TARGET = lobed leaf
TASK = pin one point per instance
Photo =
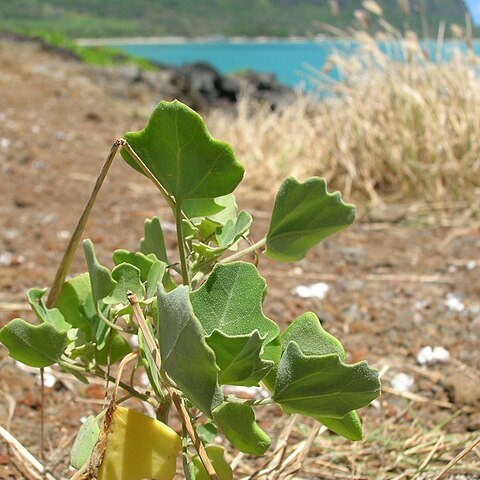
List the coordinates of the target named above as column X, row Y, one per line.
column 238, row 424
column 186, row 357
column 76, row 302
column 182, row 155
column 53, row 316
column 239, row 358
column 230, row 301
column 33, row 345
column 137, row 259
column 226, row 235
column 154, row 241
column 349, row 426
column 127, row 278
column 100, row 276
column 323, row 386
column 304, row 214
column 307, row 332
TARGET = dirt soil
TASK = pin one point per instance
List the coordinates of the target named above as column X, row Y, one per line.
column 394, row 288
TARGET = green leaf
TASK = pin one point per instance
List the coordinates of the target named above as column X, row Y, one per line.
column 76, row 302
column 238, row 424
column 186, row 357
column 231, row 301
column 226, row 236
column 137, row 259
column 232, row 231
column 127, row 279
column 153, row 241
column 86, row 439
column 207, row 225
column 201, row 207
column 220, row 465
column 239, row 358
column 100, row 276
column 304, row 214
column 149, row 365
column 53, row 316
column 113, row 349
column 155, row 275
column 207, row 432
column 323, row 386
column 307, row 332
column 34, row 345
column 180, row 152
column 349, row 426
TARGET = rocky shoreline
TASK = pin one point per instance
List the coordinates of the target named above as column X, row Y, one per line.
column 198, row 84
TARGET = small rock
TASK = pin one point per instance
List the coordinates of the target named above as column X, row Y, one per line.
column 454, row 303
column 463, row 389
column 402, row 382
column 352, row 255
column 353, row 285
column 474, row 422
column 431, row 356
column 315, row 290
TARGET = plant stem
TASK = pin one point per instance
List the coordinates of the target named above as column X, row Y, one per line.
column 168, row 198
column 75, row 239
column 181, row 243
column 150, row 175
column 255, row 402
column 242, row 253
column 175, row 397
column 99, row 373
column 192, row 433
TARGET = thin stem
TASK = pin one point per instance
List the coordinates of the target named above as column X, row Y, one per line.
column 149, row 174
column 42, row 416
column 255, row 402
column 99, row 373
column 168, row 198
column 64, row 266
column 192, row 433
column 242, row 253
column 131, row 356
column 177, row 400
column 181, row 243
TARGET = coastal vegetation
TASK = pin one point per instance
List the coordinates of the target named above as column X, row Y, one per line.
column 123, row 18
column 388, row 132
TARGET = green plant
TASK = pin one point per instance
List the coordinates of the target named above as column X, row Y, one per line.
column 207, row 329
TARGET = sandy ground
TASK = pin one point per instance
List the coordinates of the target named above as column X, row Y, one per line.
column 394, row 288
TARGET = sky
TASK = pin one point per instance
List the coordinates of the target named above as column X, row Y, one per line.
column 475, row 9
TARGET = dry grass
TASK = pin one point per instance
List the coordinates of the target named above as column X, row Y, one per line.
column 390, row 131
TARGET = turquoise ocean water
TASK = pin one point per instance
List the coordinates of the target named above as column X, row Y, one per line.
column 292, row 62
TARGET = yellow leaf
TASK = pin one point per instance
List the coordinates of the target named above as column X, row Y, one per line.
column 139, row 447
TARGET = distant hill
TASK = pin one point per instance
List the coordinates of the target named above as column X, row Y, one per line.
column 102, row 18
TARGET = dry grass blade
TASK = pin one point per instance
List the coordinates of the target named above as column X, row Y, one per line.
column 30, row 463
column 294, row 462
column 278, row 454
column 388, row 131
column 457, row 459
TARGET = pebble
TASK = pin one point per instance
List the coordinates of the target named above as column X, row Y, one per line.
column 463, row 389
column 431, row 356
column 454, row 303
column 315, row 290
column 402, row 382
